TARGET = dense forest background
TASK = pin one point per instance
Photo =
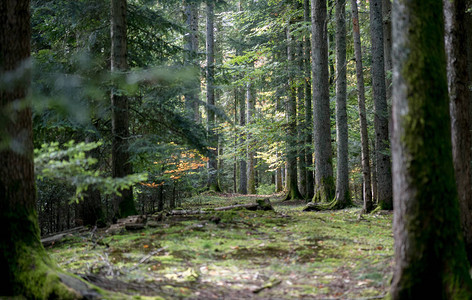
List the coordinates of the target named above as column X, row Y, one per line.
column 139, row 105
column 262, row 69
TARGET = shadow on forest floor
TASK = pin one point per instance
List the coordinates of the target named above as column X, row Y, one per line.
column 239, row 254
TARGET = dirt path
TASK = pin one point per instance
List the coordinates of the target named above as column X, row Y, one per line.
column 241, row 254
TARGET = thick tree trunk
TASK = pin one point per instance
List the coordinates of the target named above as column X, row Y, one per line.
column 365, row 156
column 343, row 196
column 292, row 136
column 124, row 204
column 27, row 270
column 191, row 59
column 324, row 182
column 430, row 253
column 384, row 174
column 455, row 39
column 308, row 107
column 210, row 75
column 251, row 180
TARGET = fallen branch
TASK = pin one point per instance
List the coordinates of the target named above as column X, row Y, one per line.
column 57, row 237
column 261, row 204
column 269, row 285
column 144, row 259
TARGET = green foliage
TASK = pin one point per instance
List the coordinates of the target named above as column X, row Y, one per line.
column 71, row 165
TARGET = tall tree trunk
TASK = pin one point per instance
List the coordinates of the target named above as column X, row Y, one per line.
column 455, row 39
column 291, row 142
column 324, row 182
column 27, row 270
column 308, row 107
column 242, row 161
column 387, row 40
column 210, row 74
column 251, row 180
column 191, row 59
column 343, row 197
column 429, row 250
column 384, row 174
column 121, row 167
column 365, row 156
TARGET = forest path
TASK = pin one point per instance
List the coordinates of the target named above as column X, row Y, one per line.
column 240, row 254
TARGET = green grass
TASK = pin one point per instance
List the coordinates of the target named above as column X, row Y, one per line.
column 313, row 254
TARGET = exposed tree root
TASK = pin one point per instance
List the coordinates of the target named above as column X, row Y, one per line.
column 333, row 205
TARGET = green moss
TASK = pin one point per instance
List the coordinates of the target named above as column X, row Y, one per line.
column 438, row 263
column 325, row 191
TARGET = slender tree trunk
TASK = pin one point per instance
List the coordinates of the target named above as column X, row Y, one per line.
column 210, row 75
column 365, row 156
column 160, row 198
column 384, row 174
column 121, row 167
column 430, row 253
column 242, row 161
column 191, row 58
column 324, row 182
column 387, row 40
column 291, row 142
column 308, row 107
column 375, row 198
column 251, row 180
column 455, row 39
column 343, row 196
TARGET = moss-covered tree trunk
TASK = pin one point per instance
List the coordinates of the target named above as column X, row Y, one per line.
column 455, row 39
column 291, row 137
column 121, row 167
column 27, row 271
column 365, row 156
column 430, row 257
column 383, row 165
column 324, row 182
column 308, row 107
column 343, row 198
column 210, row 76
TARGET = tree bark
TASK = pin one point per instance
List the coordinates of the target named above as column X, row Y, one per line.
column 291, row 138
column 429, row 250
column 365, row 156
column 121, row 167
column 343, row 196
column 308, row 107
column 455, row 39
column 384, row 174
column 27, row 270
column 242, row 161
column 387, row 35
column 324, row 182
column 191, row 59
column 210, row 75
column 251, row 180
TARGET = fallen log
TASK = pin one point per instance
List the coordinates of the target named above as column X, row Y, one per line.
column 57, row 237
column 261, row 204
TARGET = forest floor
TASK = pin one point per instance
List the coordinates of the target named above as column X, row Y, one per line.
column 239, row 254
